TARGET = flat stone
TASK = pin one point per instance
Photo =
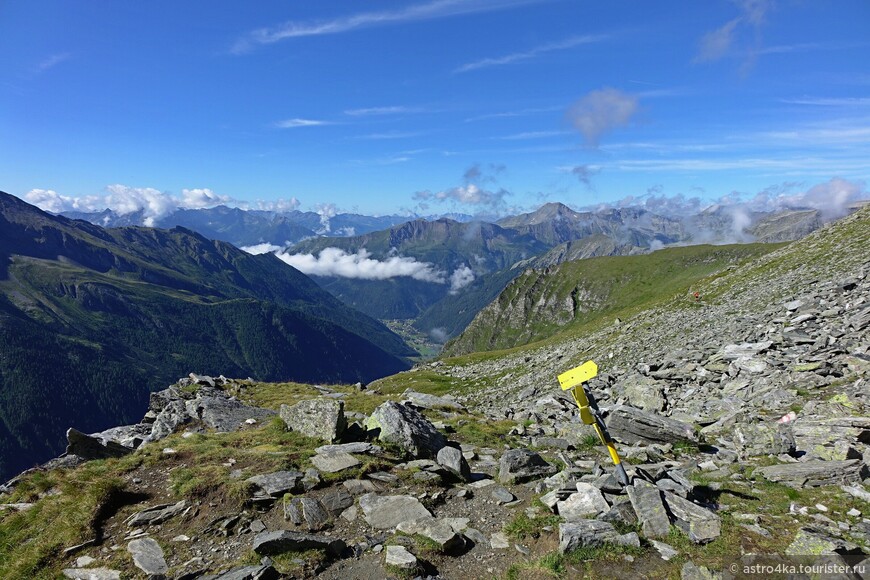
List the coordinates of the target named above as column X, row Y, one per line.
column 92, row 574
column 336, row 501
column 280, row 541
column 88, row 447
column 388, row 511
column 334, row 462
column 630, row 425
column 319, row 418
column 148, row 556
column 573, row 535
column 307, row 510
column 646, row 499
column 501, row 495
column 359, row 486
column 278, row 483
column 400, row 557
column 499, row 541
column 519, row 465
column 436, row 530
column 816, row 473
column 427, row 401
column 588, row 501
column 691, row 571
column 357, row 447
column 157, row 514
column 254, row 572
column 666, row 551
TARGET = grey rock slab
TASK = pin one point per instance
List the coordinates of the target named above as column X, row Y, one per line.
column 499, row 541
column 89, row 447
column 501, row 495
column 280, row 541
column 744, row 350
column 173, row 414
column 587, row 501
column 816, row 473
column 92, row 574
column 223, row 413
column 388, row 511
column 451, row 459
column 405, row 427
column 307, row 510
column 646, row 499
column 336, row 501
column 359, row 486
column 357, row 447
column 157, row 514
column 436, row 530
column 278, row 483
column 631, row 425
column 691, row 571
column 519, row 465
column 856, row 491
column 261, row 572
column 334, row 462
column 319, row 418
column 148, row 556
column 573, row 535
column 816, row 542
column 666, row 551
column 700, row 524
column 427, row 401
column 400, row 557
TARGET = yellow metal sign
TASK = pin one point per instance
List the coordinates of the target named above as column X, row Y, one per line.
column 573, row 380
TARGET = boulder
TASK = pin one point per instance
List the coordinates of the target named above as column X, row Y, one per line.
column 632, row 425
column 700, row 524
column 217, row 410
column 321, row 418
column 644, row 392
column 755, row 438
column 451, row 459
column 519, row 465
column 89, row 447
column 148, row 557
column 406, row 428
column 388, row 511
column 280, row 541
column 356, row 447
column 816, row 473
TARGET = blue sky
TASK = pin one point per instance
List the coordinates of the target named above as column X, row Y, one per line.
column 478, row 106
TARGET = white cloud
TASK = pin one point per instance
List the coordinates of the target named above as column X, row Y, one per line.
column 373, row 111
column 718, row 43
column 460, row 278
column 469, row 194
column 531, row 135
column 279, row 205
column 531, row 53
column 360, row 265
column 600, row 112
column 417, row 12
column 263, row 248
column 52, row 61
column 296, row 123
column 326, row 211
column 830, row 101
column 200, row 198
column 123, row 200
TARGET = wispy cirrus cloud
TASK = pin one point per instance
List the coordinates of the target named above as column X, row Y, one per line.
column 532, row 135
column 297, row 122
column 381, row 111
column 531, row 53
column 428, row 11
column 720, row 42
column 52, row 61
column 510, row 114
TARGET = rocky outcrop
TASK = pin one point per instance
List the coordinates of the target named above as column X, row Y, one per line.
column 406, row 428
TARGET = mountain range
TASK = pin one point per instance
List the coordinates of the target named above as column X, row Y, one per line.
column 91, row 319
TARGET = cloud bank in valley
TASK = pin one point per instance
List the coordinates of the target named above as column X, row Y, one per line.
column 360, row 265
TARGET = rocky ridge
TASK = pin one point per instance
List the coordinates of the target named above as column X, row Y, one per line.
column 741, row 417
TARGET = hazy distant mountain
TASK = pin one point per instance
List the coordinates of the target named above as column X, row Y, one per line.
column 92, row 318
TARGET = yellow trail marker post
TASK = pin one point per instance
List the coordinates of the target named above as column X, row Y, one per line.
column 573, row 381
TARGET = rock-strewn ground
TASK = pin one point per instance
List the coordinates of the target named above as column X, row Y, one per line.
column 742, row 419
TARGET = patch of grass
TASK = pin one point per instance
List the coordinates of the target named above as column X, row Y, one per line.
column 522, row 526
column 589, row 442
column 32, row 541
column 482, row 433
